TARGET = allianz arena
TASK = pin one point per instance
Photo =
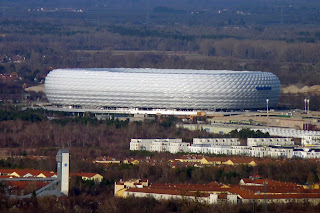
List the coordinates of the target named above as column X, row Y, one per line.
column 162, row 88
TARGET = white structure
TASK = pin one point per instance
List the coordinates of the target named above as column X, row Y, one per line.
column 275, row 152
column 240, row 150
column 170, row 194
column 162, row 88
column 257, row 147
column 213, row 145
column 259, row 151
column 172, row 145
column 175, row 147
column 220, row 150
column 199, row 148
column 270, row 142
column 285, row 152
column 310, row 140
column 217, row 141
column 289, row 132
column 63, row 170
column 210, row 149
column 307, row 153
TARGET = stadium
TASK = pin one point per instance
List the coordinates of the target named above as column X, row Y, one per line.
column 148, row 88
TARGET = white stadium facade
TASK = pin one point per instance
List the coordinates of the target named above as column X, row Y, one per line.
column 162, row 88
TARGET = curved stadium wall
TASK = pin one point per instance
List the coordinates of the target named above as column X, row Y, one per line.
column 162, row 88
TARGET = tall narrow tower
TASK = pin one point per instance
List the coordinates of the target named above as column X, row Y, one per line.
column 63, row 170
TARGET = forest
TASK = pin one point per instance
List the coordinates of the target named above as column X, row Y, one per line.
column 112, row 37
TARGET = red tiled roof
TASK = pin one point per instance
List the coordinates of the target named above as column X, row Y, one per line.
column 242, row 160
column 268, row 181
column 83, row 174
column 167, row 191
column 191, row 187
column 190, row 157
column 22, row 172
column 276, row 190
column 22, row 184
column 7, row 176
column 106, row 159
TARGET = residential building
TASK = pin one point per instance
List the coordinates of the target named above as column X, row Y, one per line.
column 121, row 186
column 220, row 150
column 26, row 173
column 106, row 160
column 306, row 152
column 249, row 190
column 172, row 145
column 89, row 176
column 240, row 150
column 270, row 142
column 217, row 141
column 310, row 140
column 257, row 147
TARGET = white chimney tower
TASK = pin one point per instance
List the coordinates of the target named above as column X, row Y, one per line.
column 63, row 170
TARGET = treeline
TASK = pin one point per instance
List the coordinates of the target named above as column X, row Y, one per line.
column 173, row 12
column 103, row 137
column 247, row 133
column 28, row 115
column 290, row 53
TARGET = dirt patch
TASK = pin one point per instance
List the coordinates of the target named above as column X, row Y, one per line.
column 294, row 89
column 39, row 88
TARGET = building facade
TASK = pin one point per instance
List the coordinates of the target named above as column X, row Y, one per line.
column 172, row 145
column 270, row 142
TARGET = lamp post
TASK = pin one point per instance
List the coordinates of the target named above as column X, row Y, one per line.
column 267, row 100
column 308, row 102
column 305, row 105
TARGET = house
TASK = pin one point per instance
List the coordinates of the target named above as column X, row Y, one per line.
column 213, row 161
column 131, row 161
column 240, row 161
column 107, row 160
column 27, row 173
column 121, row 186
column 190, row 158
column 172, row 145
column 89, row 176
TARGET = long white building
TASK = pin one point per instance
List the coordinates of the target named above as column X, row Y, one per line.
column 162, row 88
column 257, row 147
column 270, row 142
column 307, row 137
column 172, row 145
column 217, row 141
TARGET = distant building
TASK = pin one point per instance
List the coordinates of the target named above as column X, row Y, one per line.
column 89, row 176
column 172, row 145
column 270, row 142
column 249, row 190
column 310, row 140
column 107, row 160
column 217, row 141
